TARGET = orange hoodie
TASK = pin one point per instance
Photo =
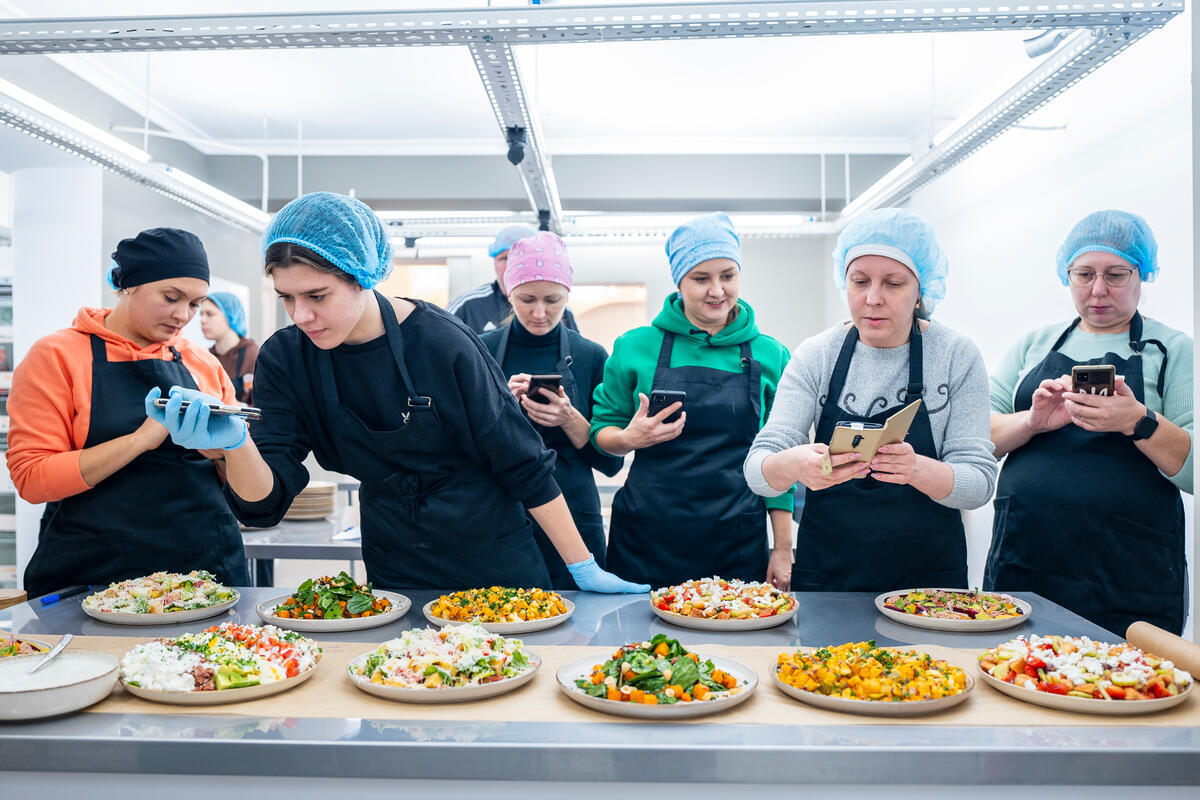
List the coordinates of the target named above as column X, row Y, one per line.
column 49, row 406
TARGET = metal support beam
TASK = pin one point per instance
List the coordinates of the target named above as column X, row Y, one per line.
column 560, row 24
column 48, row 123
column 518, row 124
column 1075, row 59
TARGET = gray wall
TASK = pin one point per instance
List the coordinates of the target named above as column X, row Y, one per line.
column 232, row 253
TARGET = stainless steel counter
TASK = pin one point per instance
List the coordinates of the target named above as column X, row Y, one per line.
column 711, row 753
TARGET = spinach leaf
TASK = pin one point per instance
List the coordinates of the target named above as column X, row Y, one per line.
column 685, row 673
column 592, row 689
column 651, row 683
column 358, row 603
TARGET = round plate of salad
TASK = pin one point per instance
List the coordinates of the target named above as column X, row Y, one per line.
column 657, row 679
column 226, row 663
column 953, row 609
column 713, row 604
column 334, row 604
column 161, row 599
column 1074, row 673
column 501, row 610
column 22, row 646
column 863, row 678
column 455, row 664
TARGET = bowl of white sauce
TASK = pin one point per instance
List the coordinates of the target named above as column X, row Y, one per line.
column 74, row 680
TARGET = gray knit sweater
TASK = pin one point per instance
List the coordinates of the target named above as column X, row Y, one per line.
column 956, row 397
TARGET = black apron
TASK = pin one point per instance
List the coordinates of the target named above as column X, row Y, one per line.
column 162, row 511
column 573, row 475
column 685, row 510
column 430, row 518
column 1085, row 519
column 868, row 536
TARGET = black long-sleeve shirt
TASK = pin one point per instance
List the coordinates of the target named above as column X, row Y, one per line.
column 538, row 355
column 445, row 362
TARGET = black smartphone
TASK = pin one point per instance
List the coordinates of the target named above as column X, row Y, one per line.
column 661, row 398
column 1098, row 379
column 551, row 382
column 247, row 412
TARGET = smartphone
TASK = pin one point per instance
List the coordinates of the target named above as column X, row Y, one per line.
column 551, row 382
column 865, row 438
column 1098, row 379
column 661, row 398
column 248, row 412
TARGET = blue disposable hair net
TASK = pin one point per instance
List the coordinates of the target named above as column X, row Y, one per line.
column 231, row 307
column 508, row 237
column 110, row 277
column 702, row 239
column 1117, row 232
column 340, row 229
column 902, row 236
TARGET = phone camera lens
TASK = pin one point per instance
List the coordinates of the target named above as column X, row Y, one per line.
column 1083, row 376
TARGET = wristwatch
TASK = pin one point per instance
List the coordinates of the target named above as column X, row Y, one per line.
column 1146, row 426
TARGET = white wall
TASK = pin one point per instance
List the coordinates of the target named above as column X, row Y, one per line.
column 1002, row 214
column 57, row 211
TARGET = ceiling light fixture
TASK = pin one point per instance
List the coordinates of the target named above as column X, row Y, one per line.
column 25, row 112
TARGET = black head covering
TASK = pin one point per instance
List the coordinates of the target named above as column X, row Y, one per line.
column 158, row 254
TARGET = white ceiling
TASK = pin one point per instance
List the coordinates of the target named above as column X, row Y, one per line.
column 862, row 94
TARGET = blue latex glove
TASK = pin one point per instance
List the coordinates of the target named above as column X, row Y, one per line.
column 590, row 578
column 155, row 413
column 198, row 428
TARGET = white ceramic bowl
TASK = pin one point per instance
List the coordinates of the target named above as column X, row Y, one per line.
column 400, row 607
column 505, row 628
column 75, row 679
column 455, row 694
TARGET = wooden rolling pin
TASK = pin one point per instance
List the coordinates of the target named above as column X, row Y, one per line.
column 1164, row 644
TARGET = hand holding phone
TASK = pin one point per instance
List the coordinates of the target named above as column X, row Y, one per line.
column 646, row 429
column 661, row 398
column 217, row 409
column 548, row 382
column 1098, row 379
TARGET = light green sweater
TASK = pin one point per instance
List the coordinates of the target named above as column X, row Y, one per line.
column 1175, row 404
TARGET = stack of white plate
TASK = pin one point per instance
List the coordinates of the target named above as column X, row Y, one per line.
column 315, row 501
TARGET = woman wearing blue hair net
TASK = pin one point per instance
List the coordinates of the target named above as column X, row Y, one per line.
column 895, row 521
column 223, row 321
column 401, row 395
column 1088, row 512
column 685, row 512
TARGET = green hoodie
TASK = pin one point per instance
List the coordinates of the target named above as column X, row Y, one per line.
column 630, row 368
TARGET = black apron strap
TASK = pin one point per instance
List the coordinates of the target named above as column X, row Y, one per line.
column 1062, row 338
column 664, row 358
column 502, row 350
column 237, row 369
column 753, row 371
column 837, row 381
column 916, row 368
column 564, row 346
column 99, row 350
column 1137, row 344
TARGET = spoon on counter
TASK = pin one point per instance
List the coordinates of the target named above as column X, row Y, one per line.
column 58, row 648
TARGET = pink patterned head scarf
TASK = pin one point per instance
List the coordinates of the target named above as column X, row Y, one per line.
column 542, row 257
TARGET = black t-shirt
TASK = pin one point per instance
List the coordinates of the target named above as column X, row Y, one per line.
column 445, row 362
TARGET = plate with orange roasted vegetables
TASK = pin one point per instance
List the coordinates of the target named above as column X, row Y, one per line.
column 657, row 679
column 501, row 609
column 334, row 604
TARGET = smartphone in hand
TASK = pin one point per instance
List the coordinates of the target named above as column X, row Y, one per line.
column 661, row 398
column 551, row 382
column 1098, row 379
column 220, row 409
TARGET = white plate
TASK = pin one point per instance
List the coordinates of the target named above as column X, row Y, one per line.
column 702, row 624
column 582, row 668
column 166, row 618
column 505, row 628
column 52, row 701
column 1084, row 705
column 400, row 607
column 872, row 708
column 454, row 694
column 936, row 624
column 221, row 696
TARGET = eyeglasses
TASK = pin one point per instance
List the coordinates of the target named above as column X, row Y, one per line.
column 1116, row 278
